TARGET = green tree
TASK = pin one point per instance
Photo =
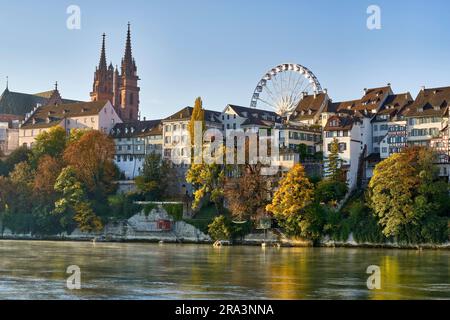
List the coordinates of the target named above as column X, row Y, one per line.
column 153, row 182
column 74, row 203
column 333, row 163
column 21, row 154
column 51, row 142
column 330, row 192
column 220, row 228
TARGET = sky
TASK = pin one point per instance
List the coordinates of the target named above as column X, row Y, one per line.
column 219, row 49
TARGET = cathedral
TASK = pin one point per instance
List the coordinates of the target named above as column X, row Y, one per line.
column 121, row 89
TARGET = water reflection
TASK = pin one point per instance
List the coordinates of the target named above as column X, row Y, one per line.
column 37, row 270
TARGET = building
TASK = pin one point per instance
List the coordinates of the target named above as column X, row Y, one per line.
column 176, row 143
column 425, row 116
column 97, row 115
column 9, row 133
column 19, row 104
column 122, row 89
column 235, row 117
column 134, row 141
column 310, row 109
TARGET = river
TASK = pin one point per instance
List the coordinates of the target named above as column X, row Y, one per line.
column 37, row 270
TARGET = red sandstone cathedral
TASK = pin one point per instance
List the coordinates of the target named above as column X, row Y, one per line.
column 121, row 89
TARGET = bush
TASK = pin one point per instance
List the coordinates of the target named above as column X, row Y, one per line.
column 122, row 206
column 175, row 210
column 220, row 228
column 328, row 191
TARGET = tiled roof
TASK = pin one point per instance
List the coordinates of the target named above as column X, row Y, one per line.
column 309, row 106
column 256, row 117
column 51, row 115
column 373, row 98
column 395, row 105
column 21, row 103
column 186, row 113
column 430, row 102
column 344, row 122
column 137, row 129
column 10, row 117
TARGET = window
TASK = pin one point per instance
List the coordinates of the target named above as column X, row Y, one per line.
column 384, row 150
column 168, row 128
column 92, row 119
column 375, row 127
column 128, row 147
column 342, row 147
column 131, row 98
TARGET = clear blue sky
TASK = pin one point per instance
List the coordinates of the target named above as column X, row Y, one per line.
column 218, row 49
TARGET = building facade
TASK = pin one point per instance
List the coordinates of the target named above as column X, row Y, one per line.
column 97, row 115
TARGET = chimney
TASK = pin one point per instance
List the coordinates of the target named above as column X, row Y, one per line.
column 389, row 84
column 325, row 91
column 145, row 118
column 422, row 88
column 365, row 90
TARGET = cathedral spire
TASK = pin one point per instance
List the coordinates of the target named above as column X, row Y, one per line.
column 128, row 65
column 102, row 64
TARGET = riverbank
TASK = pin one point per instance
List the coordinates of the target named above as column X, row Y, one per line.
column 158, row 226
column 250, row 240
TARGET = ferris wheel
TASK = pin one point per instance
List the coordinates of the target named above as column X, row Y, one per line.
column 283, row 87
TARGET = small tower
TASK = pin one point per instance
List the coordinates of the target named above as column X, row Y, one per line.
column 129, row 89
column 102, row 88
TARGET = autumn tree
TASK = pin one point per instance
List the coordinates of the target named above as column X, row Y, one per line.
column 91, row 156
column 408, row 198
column 290, row 201
column 247, row 195
column 74, row 206
column 47, row 172
column 198, row 114
column 208, row 181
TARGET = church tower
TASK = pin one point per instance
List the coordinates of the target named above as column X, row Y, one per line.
column 128, row 87
column 103, row 78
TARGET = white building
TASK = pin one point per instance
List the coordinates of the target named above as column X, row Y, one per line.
column 134, row 141
column 98, row 115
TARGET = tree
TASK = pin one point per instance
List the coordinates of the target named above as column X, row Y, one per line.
column 21, row 154
column 247, row 195
column 91, row 156
column 294, row 195
column 153, row 182
column 51, row 142
column 333, row 162
column 330, row 192
column 198, row 114
column 220, row 228
column 74, row 203
column 47, row 172
column 405, row 194
column 208, row 180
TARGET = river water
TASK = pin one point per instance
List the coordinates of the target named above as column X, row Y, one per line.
column 37, row 270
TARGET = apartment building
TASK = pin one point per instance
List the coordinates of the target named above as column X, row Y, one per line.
column 97, row 115
column 134, row 141
column 176, row 139
column 426, row 115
